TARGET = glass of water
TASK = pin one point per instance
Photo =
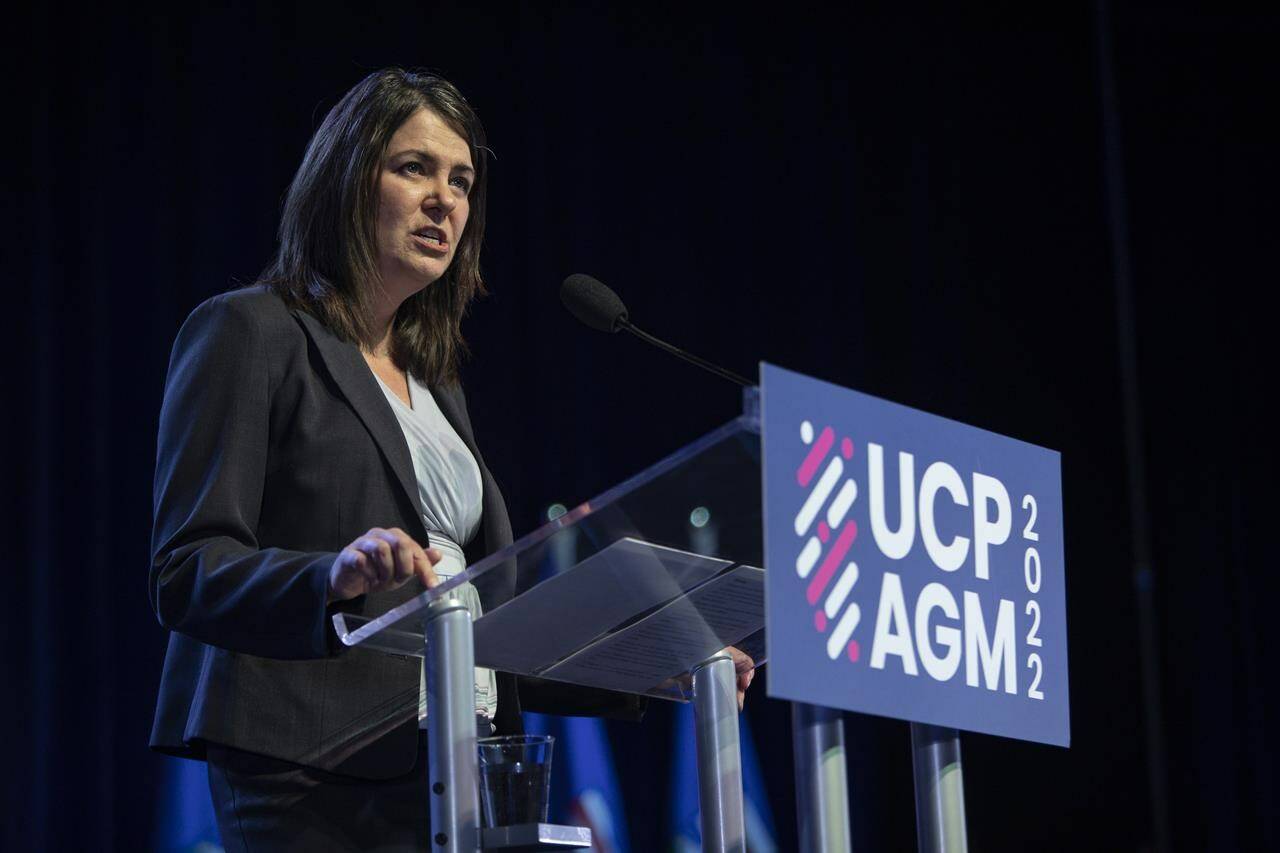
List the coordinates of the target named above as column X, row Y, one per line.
column 515, row 779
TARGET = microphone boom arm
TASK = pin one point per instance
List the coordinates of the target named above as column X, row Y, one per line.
column 679, row 353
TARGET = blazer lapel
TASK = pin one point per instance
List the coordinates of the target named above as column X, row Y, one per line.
column 356, row 381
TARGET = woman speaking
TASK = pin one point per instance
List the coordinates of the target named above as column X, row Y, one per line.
column 315, row 454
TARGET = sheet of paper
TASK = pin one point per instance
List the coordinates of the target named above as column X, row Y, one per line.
column 566, row 612
column 672, row 640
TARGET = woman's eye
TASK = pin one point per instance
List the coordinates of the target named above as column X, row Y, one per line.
column 462, row 184
column 412, row 168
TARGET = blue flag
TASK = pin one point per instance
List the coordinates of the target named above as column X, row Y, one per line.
column 584, row 785
column 684, row 816
column 186, row 823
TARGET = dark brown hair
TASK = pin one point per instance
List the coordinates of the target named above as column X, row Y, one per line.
column 327, row 262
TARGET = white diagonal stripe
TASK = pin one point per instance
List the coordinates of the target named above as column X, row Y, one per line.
column 819, row 495
column 844, row 499
column 843, row 630
column 840, row 591
column 808, row 557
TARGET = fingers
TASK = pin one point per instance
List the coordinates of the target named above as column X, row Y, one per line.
column 423, row 567
column 378, row 556
column 379, row 560
column 745, row 668
column 744, row 681
column 397, row 551
column 352, row 575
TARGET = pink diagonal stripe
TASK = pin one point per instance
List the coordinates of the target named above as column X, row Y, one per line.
column 816, row 454
column 828, row 568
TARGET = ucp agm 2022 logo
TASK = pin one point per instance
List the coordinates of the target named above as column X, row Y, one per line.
column 837, row 600
column 915, row 564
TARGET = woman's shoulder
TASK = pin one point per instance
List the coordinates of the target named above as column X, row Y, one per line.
column 256, row 303
column 240, row 323
column 255, row 312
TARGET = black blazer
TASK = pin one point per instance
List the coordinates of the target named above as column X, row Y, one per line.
column 276, row 449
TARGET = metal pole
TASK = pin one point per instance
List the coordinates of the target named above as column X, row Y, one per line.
column 715, row 720
column 935, row 754
column 451, row 728
column 822, row 788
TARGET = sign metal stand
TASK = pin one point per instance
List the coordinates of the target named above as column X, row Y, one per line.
column 939, row 780
column 822, row 792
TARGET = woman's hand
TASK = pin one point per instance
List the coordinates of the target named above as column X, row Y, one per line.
column 378, row 561
column 745, row 668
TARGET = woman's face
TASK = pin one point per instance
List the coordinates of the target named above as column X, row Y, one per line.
column 422, row 202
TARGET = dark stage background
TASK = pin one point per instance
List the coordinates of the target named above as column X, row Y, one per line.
column 934, row 181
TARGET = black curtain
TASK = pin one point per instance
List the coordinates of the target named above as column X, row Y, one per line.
column 932, row 179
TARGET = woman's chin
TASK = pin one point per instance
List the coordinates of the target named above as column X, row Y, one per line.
column 428, row 270
column 413, row 278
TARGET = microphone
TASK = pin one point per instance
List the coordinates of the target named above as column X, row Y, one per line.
column 597, row 306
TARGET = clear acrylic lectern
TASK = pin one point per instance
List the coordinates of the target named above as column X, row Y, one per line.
column 618, row 593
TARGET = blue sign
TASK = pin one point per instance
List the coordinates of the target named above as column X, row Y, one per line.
column 915, row 564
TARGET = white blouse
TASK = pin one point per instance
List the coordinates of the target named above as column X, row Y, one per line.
column 450, row 491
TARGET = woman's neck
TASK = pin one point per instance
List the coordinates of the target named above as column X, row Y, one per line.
column 385, row 307
column 382, row 349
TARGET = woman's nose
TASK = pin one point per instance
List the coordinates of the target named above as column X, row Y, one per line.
column 439, row 197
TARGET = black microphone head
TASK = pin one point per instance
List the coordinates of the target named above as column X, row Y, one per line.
column 593, row 303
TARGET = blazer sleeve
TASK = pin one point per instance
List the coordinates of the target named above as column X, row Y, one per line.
column 209, row 577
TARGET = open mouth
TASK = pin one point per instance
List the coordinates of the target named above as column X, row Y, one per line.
column 432, row 238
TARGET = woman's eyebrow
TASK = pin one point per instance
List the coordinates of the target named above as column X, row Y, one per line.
column 460, row 166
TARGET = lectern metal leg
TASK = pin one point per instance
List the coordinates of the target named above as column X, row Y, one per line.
column 822, row 788
column 939, row 790
column 715, row 715
column 451, row 728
